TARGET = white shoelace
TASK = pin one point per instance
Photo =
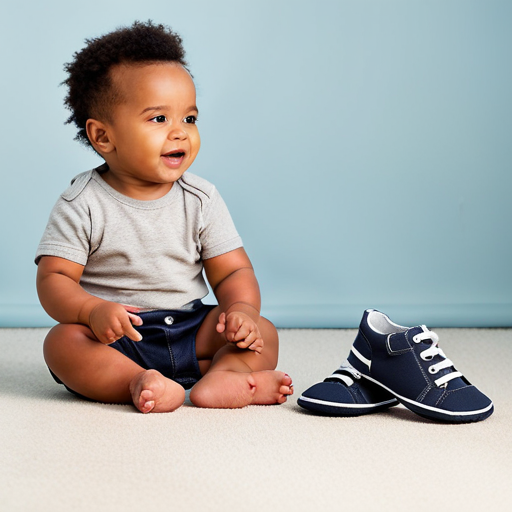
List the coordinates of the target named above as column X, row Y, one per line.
column 345, row 378
column 433, row 351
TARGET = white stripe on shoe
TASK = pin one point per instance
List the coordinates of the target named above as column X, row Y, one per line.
column 348, row 406
column 361, row 358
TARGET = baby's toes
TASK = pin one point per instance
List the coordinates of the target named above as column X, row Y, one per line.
column 286, row 390
column 146, row 401
column 286, row 385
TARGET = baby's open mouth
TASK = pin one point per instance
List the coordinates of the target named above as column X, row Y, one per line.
column 174, row 159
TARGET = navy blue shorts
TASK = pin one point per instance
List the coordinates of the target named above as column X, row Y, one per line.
column 168, row 343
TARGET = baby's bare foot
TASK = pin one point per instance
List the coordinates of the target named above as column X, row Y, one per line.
column 152, row 392
column 231, row 390
column 271, row 387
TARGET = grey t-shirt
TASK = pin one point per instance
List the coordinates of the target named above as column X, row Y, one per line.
column 146, row 254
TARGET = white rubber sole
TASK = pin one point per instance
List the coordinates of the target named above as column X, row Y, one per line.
column 346, row 406
column 434, row 412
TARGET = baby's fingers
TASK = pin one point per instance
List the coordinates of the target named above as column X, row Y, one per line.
column 135, row 319
column 237, row 330
column 221, row 323
column 128, row 329
column 257, row 346
column 112, row 334
column 252, row 342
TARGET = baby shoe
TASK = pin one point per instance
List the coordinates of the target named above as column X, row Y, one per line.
column 344, row 393
column 407, row 362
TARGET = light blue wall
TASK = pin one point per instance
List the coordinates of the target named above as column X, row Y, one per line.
column 363, row 147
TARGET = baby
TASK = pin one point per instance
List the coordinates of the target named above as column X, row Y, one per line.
column 120, row 264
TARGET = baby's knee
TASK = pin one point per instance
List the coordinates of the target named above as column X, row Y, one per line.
column 53, row 340
column 271, row 341
column 268, row 330
column 60, row 338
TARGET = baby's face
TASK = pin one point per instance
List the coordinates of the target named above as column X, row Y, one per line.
column 153, row 129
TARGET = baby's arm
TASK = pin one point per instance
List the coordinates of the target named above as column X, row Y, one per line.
column 66, row 301
column 234, row 284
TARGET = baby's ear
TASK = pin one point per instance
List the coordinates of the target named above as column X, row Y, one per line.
column 99, row 136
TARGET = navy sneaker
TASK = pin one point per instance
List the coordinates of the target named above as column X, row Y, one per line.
column 344, row 393
column 407, row 362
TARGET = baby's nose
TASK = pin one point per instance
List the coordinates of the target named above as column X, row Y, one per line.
column 177, row 132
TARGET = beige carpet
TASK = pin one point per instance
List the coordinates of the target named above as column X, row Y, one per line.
column 58, row 453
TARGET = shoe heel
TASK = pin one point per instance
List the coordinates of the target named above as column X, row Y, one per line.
column 360, row 354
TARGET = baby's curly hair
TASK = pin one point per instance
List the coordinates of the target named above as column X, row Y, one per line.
column 91, row 93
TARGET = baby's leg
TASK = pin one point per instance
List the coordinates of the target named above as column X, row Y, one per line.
column 101, row 373
column 236, row 378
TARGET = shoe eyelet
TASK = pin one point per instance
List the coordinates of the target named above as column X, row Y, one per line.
column 415, row 339
column 169, row 320
column 432, row 370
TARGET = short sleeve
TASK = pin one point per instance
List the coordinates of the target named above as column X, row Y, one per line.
column 67, row 233
column 218, row 235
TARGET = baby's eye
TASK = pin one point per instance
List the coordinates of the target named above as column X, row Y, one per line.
column 190, row 119
column 159, row 119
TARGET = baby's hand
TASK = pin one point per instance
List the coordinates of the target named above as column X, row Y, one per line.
column 110, row 321
column 240, row 329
